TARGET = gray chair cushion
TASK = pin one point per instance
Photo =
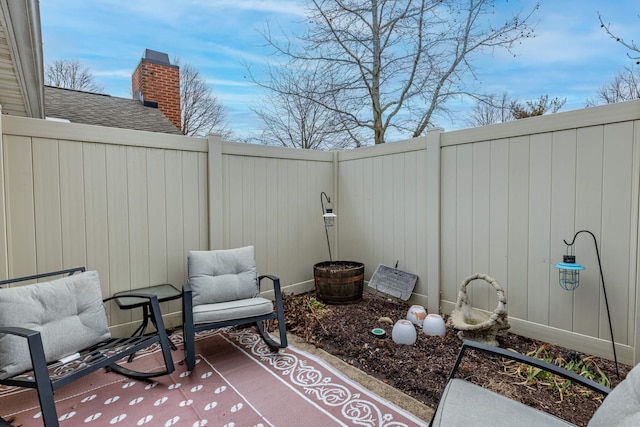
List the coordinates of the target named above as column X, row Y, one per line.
column 466, row 404
column 68, row 313
column 222, row 275
column 240, row 309
column 622, row 405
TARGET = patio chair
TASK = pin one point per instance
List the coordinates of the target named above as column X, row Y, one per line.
column 224, row 290
column 56, row 332
column 466, row 404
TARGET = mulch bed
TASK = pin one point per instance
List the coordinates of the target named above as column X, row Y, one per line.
column 421, row 370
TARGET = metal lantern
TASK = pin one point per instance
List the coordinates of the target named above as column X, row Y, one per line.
column 329, row 218
column 327, row 212
column 569, row 273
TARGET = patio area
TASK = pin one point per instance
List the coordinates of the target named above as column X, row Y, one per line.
column 237, row 381
column 235, row 371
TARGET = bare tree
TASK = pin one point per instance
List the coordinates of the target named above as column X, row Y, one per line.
column 625, row 86
column 490, row 109
column 70, row 74
column 631, row 45
column 494, row 108
column 202, row 113
column 393, row 64
column 295, row 121
column 536, row 107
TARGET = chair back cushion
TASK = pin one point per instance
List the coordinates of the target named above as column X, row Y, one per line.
column 68, row 313
column 622, row 405
column 223, row 275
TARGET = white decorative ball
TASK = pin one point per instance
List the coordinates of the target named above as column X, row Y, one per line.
column 434, row 325
column 404, row 332
column 416, row 315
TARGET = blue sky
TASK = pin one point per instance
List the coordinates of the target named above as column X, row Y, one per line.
column 570, row 57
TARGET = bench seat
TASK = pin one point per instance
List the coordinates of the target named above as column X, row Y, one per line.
column 56, row 332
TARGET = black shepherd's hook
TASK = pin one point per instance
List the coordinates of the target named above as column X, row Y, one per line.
column 326, row 231
column 604, row 291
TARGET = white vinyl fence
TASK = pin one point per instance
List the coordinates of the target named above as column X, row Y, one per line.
column 497, row 200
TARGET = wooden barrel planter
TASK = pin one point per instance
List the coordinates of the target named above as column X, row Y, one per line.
column 339, row 282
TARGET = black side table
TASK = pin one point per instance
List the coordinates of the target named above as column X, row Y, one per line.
column 164, row 292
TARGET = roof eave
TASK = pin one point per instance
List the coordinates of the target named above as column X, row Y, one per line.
column 22, row 23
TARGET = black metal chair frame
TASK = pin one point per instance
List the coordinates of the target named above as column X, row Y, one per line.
column 521, row 358
column 101, row 355
column 190, row 328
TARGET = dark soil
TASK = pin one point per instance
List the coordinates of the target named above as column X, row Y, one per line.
column 421, row 370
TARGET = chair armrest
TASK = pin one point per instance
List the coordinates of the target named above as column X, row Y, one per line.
column 274, row 279
column 270, row 277
column 518, row 357
column 276, row 287
column 16, row 330
column 36, row 349
column 34, row 339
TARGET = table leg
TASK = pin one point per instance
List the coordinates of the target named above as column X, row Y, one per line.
column 146, row 315
column 140, row 331
column 171, row 344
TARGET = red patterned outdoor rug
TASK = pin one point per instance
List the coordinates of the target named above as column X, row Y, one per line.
column 237, row 381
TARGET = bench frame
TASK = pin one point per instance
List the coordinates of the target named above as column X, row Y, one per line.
column 521, row 358
column 46, row 378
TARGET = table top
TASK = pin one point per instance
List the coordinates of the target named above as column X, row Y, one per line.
column 164, row 292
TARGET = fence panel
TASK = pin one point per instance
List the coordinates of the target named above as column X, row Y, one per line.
column 534, row 186
column 382, row 208
column 132, row 204
column 116, row 205
column 270, row 198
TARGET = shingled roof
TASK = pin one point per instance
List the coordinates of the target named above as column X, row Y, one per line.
column 104, row 110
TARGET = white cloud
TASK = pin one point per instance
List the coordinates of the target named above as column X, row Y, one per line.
column 278, row 6
column 113, row 73
column 216, row 12
column 230, row 83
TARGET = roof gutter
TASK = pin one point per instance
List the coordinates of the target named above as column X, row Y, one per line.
column 22, row 20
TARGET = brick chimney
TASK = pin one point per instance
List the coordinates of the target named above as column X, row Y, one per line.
column 156, row 80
